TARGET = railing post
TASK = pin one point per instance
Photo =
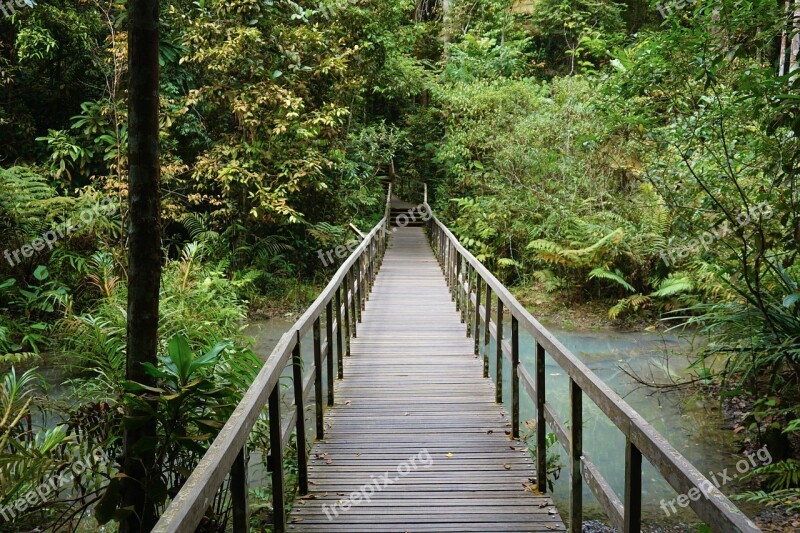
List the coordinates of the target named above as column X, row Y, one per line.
column 300, row 407
column 365, row 277
column 487, row 331
column 633, row 488
column 453, row 273
column 478, row 281
column 339, row 339
column 514, row 377
column 541, row 427
column 320, row 416
column 360, row 276
column 575, row 452
column 446, row 259
column 354, row 307
column 347, row 310
column 498, row 362
column 329, row 348
column 369, row 270
column 468, row 300
column 276, row 454
column 239, row 493
column 459, row 287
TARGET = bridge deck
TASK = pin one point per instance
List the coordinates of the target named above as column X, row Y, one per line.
column 413, row 389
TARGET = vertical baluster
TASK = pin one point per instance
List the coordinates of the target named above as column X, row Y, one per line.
column 442, row 250
column 239, row 493
column 468, row 300
column 300, row 407
column 370, row 265
column 329, row 348
column 449, row 247
column 498, row 359
column 362, row 291
column 514, row 377
column 575, row 452
column 320, row 415
column 276, row 455
column 355, row 307
column 453, row 273
column 541, row 427
column 370, row 272
column 459, row 287
column 487, row 331
column 633, row 488
column 347, row 311
column 339, row 336
column 478, row 281
column 447, row 262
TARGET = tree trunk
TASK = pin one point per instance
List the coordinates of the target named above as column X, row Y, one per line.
column 782, row 59
column 795, row 37
column 144, row 263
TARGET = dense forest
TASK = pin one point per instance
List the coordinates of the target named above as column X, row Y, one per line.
column 633, row 157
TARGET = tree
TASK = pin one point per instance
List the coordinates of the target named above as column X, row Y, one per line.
column 144, row 274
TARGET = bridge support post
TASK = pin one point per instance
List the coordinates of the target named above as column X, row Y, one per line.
column 575, row 452
column 318, row 381
column 487, row 331
column 478, row 281
column 514, row 377
column 300, row 407
column 459, row 286
column 541, row 427
column 353, row 307
column 329, row 349
column 468, row 297
column 360, row 285
column 633, row 488
column 339, row 340
column 346, row 290
column 498, row 353
column 276, row 454
column 239, row 493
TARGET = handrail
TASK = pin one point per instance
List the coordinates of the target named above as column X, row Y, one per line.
column 642, row 440
column 345, row 294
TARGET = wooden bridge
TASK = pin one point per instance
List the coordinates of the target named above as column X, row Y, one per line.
column 416, row 437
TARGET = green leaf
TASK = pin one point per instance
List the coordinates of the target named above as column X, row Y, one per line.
column 41, row 273
column 107, row 506
column 180, row 354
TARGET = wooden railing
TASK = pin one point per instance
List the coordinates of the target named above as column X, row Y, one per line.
column 472, row 286
column 344, row 296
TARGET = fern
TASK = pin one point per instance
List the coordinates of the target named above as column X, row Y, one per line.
column 789, row 499
column 672, row 286
column 779, row 476
column 616, row 276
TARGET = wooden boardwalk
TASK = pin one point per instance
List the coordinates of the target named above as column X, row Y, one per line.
column 415, row 419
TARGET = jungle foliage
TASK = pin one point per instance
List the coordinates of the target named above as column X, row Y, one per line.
column 590, row 149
